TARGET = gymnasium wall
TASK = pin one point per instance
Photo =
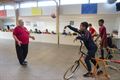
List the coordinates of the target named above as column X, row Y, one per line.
column 102, row 8
column 67, row 13
column 118, row 21
column 46, row 22
column 110, row 21
column 1, row 23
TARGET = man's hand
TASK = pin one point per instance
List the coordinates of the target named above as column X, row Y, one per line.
column 101, row 43
column 75, row 40
column 32, row 37
column 65, row 27
column 19, row 43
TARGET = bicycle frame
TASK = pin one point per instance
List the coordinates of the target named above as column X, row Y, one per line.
column 80, row 61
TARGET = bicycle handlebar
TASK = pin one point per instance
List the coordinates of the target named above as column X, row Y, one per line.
column 81, row 44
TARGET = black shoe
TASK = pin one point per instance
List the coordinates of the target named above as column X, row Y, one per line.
column 88, row 74
column 24, row 63
column 99, row 72
column 110, row 57
column 101, row 57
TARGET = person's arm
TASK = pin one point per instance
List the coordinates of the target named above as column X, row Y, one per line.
column 17, row 40
column 15, row 37
column 32, row 37
column 84, row 37
column 97, row 37
column 94, row 33
column 73, row 29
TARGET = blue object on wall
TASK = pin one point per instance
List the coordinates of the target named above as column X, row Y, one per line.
column 89, row 8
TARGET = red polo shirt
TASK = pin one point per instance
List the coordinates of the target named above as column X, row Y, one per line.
column 22, row 34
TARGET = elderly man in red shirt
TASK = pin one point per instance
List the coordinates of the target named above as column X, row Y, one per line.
column 21, row 36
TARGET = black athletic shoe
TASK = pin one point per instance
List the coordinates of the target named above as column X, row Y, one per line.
column 88, row 75
column 110, row 57
column 101, row 57
column 24, row 63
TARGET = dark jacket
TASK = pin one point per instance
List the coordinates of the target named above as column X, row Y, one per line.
column 86, row 37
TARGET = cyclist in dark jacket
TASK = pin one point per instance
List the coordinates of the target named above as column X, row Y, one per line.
column 86, row 37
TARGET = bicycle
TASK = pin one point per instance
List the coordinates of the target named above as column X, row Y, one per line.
column 71, row 71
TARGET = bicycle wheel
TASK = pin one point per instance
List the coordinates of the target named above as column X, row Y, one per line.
column 71, row 71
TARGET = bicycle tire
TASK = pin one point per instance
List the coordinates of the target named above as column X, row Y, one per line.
column 71, row 71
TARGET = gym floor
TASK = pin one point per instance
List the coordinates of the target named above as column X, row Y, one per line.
column 45, row 62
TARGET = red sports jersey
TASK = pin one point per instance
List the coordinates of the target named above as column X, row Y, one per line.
column 22, row 34
column 92, row 30
column 102, row 32
column 103, row 35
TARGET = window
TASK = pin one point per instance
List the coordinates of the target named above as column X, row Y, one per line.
column 98, row 1
column 28, row 4
column 17, row 6
column 118, row 0
column 67, row 2
column 1, row 7
column 46, row 3
column 9, row 7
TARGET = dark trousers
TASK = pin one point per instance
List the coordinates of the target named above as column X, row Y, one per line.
column 22, row 52
column 90, row 57
column 102, row 53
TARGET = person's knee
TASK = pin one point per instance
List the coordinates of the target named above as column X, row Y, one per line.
column 86, row 60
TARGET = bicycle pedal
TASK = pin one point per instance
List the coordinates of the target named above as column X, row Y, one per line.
column 100, row 72
column 93, row 75
column 77, row 61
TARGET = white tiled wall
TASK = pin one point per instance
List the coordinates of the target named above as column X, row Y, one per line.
column 110, row 21
column 46, row 22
